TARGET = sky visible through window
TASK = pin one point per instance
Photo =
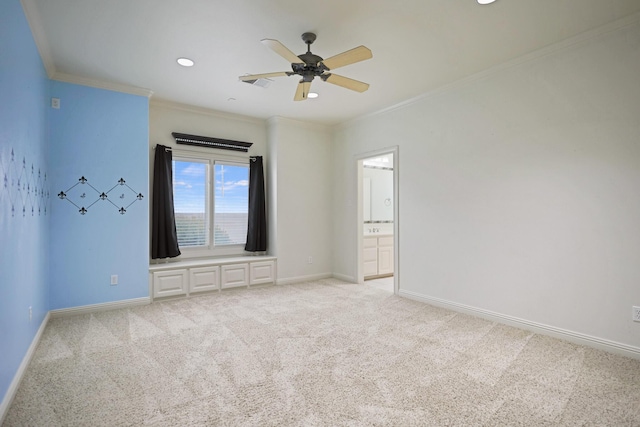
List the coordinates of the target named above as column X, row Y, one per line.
column 189, row 183
column 232, row 188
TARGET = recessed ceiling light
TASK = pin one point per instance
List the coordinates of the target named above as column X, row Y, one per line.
column 312, row 95
column 185, row 62
column 485, row 1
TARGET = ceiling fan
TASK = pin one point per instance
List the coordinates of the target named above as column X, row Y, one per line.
column 310, row 66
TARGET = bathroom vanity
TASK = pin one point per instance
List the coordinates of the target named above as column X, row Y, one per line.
column 377, row 255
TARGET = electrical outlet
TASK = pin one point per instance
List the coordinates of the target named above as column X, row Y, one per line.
column 114, row 279
column 55, row 103
column 30, row 313
column 636, row 314
column 310, row 261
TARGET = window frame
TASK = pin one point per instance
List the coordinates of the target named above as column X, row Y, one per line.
column 211, row 250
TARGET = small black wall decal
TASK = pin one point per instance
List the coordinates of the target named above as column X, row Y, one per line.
column 127, row 197
column 23, row 186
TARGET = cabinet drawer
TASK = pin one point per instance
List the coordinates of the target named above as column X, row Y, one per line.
column 262, row 272
column 170, row 283
column 370, row 242
column 204, row 279
column 385, row 241
column 233, row 275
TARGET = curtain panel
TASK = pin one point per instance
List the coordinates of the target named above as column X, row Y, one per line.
column 257, row 226
column 164, row 238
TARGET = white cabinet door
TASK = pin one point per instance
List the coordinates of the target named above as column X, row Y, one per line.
column 385, row 260
column 262, row 272
column 170, row 283
column 385, row 255
column 233, row 275
column 370, row 256
column 204, row 279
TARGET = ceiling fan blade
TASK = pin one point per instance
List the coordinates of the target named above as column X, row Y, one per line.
column 262, row 76
column 302, row 91
column 281, row 50
column 346, row 82
column 352, row 56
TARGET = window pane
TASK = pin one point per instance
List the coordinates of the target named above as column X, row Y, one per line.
column 190, row 202
column 231, row 204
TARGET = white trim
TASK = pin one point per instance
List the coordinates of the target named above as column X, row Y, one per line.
column 541, row 328
column 100, row 84
column 172, row 105
column 39, row 37
column 309, row 278
column 92, row 308
column 523, row 59
column 17, row 378
column 345, row 278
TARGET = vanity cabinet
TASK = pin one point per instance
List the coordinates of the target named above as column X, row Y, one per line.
column 385, row 255
column 377, row 256
column 370, row 256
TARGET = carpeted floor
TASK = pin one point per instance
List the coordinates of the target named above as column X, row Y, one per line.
column 325, row 353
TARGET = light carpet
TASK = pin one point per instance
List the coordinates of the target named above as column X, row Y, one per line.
column 324, row 353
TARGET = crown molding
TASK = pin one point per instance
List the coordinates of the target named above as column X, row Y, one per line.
column 42, row 44
column 560, row 46
column 173, row 105
column 116, row 87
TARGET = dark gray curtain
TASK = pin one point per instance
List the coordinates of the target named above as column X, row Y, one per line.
column 257, row 227
column 164, row 239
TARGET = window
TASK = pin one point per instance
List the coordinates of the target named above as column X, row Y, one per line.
column 211, row 200
column 231, row 204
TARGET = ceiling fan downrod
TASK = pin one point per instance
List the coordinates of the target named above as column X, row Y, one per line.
column 312, row 64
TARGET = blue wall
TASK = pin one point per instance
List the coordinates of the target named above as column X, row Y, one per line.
column 103, row 136
column 51, row 256
column 24, row 235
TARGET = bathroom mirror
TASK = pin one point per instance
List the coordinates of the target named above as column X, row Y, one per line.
column 378, row 189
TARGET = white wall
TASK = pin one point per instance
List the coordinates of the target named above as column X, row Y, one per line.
column 519, row 189
column 303, row 225
column 297, row 164
column 166, row 117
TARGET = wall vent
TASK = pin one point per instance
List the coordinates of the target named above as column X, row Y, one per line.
column 205, row 141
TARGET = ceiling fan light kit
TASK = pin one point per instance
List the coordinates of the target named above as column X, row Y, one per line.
column 309, row 66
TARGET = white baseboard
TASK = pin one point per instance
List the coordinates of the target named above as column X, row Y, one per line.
column 299, row 279
column 86, row 309
column 345, row 278
column 571, row 336
column 17, row 378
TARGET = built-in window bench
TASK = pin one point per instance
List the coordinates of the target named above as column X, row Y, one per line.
column 183, row 278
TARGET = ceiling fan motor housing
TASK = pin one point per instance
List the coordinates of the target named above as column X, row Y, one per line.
column 311, row 65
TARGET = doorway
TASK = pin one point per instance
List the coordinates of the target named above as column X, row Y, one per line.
column 377, row 219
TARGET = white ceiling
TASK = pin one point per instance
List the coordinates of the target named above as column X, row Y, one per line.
column 418, row 45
